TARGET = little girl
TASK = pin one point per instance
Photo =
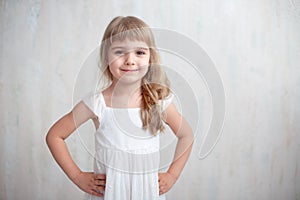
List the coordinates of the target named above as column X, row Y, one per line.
column 129, row 116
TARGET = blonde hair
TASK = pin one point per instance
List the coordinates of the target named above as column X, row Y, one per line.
column 155, row 84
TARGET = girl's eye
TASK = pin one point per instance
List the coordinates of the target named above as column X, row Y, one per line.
column 140, row 52
column 118, row 52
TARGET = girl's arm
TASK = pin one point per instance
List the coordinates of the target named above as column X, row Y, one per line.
column 185, row 136
column 61, row 130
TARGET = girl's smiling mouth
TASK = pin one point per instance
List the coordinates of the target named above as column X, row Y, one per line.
column 129, row 70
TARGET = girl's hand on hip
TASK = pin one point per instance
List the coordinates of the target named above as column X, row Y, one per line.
column 91, row 183
column 165, row 181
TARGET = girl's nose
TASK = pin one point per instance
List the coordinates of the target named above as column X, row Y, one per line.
column 129, row 59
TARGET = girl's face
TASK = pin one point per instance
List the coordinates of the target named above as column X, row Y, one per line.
column 128, row 60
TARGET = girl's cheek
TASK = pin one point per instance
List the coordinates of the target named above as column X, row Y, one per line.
column 144, row 64
column 113, row 58
column 145, row 69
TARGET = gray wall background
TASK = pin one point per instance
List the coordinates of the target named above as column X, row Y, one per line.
column 254, row 44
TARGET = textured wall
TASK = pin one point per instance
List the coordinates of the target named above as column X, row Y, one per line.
column 256, row 48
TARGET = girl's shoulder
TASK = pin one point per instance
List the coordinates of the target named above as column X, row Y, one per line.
column 95, row 102
column 165, row 102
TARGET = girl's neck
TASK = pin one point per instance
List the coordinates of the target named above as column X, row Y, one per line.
column 123, row 95
column 123, row 89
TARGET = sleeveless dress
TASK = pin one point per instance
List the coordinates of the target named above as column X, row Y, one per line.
column 127, row 154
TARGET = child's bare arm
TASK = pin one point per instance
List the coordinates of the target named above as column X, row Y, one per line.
column 185, row 136
column 61, row 130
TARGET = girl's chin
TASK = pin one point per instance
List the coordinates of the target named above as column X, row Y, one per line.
column 129, row 80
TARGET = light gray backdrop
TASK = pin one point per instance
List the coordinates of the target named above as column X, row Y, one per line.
column 254, row 44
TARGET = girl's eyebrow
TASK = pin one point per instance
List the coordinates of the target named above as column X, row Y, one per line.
column 117, row 47
column 143, row 48
column 122, row 47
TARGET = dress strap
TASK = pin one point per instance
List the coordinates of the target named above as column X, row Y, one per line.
column 95, row 102
column 102, row 100
column 164, row 103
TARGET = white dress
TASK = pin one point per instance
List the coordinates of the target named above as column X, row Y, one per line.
column 127, row 154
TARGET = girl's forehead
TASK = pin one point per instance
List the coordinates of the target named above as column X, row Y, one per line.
column 129, row 44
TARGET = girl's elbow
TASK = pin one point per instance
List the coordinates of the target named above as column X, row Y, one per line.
column 49, row 138
column 190, row 137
